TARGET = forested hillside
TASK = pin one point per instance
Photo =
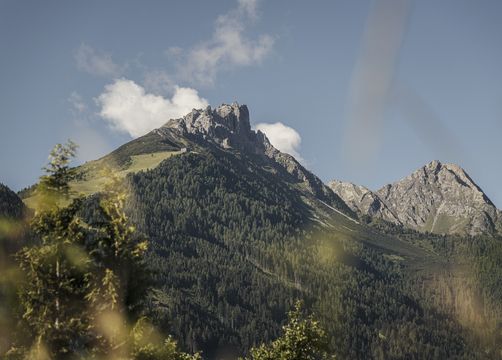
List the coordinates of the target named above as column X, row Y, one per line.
column 232, row 249
column 11, row 206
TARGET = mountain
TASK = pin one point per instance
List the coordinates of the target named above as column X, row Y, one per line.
column 439, row 198
column 238, row 231
column 363, row 201
column 226, row 128
column 11, row 206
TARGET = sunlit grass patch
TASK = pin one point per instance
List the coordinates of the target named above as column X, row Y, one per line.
column 91, row 178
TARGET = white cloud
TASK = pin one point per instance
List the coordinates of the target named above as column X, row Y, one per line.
column 282, row 137
column 100, row 64
column 127, row 107
column 136, row 109
column 228, row 47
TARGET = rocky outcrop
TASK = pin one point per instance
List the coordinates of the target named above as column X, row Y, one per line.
column 363, row 201
column 441, row 198
column 228, row 126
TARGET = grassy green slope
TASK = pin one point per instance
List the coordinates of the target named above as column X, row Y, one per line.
column 141, row 154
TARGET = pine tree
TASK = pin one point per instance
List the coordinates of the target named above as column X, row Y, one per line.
column 54, row 186
column 51, row 296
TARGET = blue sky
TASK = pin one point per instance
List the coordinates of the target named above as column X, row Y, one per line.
column 372, row 89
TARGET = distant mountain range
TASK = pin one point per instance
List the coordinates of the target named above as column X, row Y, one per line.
column 239, row 230
column 438, row 198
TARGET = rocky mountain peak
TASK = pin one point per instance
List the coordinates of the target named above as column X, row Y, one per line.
column 446, row 175
column 442, row 198
column 228, row 126
column 438, row 197
column 225, row 121
column 235, row 116
column 362, row 200
column 436, row 166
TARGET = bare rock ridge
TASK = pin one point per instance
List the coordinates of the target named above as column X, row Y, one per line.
column 439, row 198
column 228, row 126
column 362, row 200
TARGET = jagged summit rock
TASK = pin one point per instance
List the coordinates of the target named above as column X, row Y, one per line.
column 228, row 126
column 441, row 198
column 438, row 197
column 362, row 200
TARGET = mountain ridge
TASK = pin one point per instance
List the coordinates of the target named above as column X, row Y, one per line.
column 438, row 197
column 430, row 199
column 228, row 126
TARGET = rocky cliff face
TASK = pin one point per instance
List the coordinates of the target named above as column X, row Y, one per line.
column 362, row 200
column 228, row 126
column 439, row 198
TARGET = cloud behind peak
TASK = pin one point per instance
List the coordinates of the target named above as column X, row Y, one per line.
column 128, row 108
column 282, row 137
